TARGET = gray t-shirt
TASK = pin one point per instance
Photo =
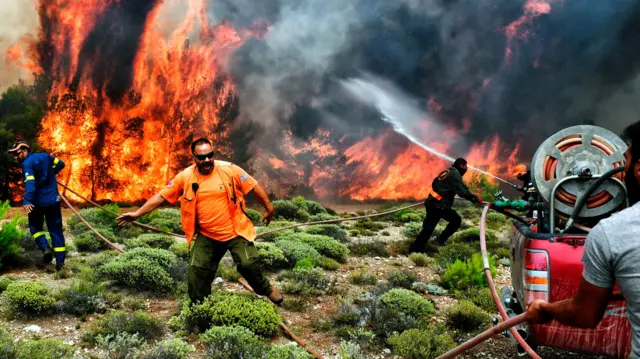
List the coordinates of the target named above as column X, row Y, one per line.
column 612, row 253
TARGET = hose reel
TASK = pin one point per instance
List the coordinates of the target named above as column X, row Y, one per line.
column 567, row 163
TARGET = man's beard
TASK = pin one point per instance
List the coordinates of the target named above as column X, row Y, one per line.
column 205, row 168
column 633, row 187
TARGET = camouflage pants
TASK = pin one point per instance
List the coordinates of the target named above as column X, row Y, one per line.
column 206, row 254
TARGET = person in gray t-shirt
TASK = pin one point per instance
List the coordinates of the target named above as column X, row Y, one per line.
column 611, row 254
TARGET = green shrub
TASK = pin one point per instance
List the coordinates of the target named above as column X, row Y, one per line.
column 421, row 343
column 169, row 349
column 8, row 348
column 358, row 335
column 285, row 209
column 224, row 308
column 496, row 220
column 5, row 280
column 305, row 263
column 295, row 251
column 479, row 296
column 44, row 349
column 288, row 351
column 295, row 304
column 326, row 246
column 11, row 233
column 328, row 264
column 85, row 295
column 115, row 322
column 466, row 316
column 402, row 279
column 406, row 302
column 354, row 233
column 151, row 240
column 232, row 342
column 471, row 235
column 253, row 215
column 102, row 258
column 167, row 219
column 368, row 224
column 412, row 229
column 142, row 268
column 362, row 277
column 484, row 186
column 29, row 298
column 323, row 217
column 463, row 275
column 270, row 257
column 373, row 249
column 452, row 252
column 306, row 281
column 411, row 217
column 350, row 350
column 330, row 230
column 97, row 217
column 228, row 273
column 420, row 259
column 275, row 235
column 121, row 345
column 180, row 250
column 502, row 253
column 348, row 314
column 88, row 241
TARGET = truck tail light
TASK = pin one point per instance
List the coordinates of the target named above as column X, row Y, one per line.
column 536, row 275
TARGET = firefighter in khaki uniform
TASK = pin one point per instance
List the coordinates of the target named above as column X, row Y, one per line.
column 211, row 195
column 445, row 187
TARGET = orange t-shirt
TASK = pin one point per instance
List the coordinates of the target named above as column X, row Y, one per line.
column 212, row 204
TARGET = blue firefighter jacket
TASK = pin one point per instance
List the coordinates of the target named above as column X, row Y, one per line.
column 39, row 170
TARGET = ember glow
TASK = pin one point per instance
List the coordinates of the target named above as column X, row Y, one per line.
column 127, row 99
column 521, row 29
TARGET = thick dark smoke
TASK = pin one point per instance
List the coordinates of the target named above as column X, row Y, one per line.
column 579, row 65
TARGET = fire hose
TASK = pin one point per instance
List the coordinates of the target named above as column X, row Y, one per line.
column 508, row 323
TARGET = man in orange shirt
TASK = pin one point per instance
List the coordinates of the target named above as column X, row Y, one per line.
column 211, row 195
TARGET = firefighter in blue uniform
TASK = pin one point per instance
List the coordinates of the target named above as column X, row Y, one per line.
column 444, row 188
column 42, row 200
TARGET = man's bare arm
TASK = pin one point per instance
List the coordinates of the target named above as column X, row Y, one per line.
column 585, row 310
column 263, row 199
column 152, row 203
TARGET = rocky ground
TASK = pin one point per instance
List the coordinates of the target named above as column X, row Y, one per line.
column 70, row 329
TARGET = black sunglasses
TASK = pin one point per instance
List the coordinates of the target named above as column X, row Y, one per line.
column 204, row 157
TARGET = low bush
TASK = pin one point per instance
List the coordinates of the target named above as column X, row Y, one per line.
column 328, row 264
column 368, row 224
column 167, row 219
column 151, row 240
column 326, row 246
column 373, row 249
column 406, row 302
column 8, row 348
column 142, row 268
column 330, row 230
column 385, row 321
column 98, row 218
column 348, row 314
column 479, row 296
column 421, row 343
column 295, row 251
column 29, row 298
column 169, row 349
column 85, row 295
column 295, row 304
column 412, row 229
column 275, row 235
column 225, row 308
column 121, row 345
column 502, row 253
column 350, row 350
column 102, row 258
column 180, row 250
column 11, row 233
column 402, row 279
column 253, row 215
column 452, row 252
column 286, row 209
column 464, row 275
column 288, row 351
column 232, row 342
column 115, row 322
column 271, row 257
column 306, row 281
column 496, row 220
column 44, row 349
column 466, row 316
column 228, row 273
column 5, row 280
column 362, row 277
column 323, row 217
column 471, row 235
column 420, row 259
column 358, row 335
column 88, row 241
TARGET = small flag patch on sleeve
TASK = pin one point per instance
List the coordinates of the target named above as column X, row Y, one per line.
column 244, row 177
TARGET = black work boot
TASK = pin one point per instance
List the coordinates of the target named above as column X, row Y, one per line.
column 59, row 266
column 47, row 255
